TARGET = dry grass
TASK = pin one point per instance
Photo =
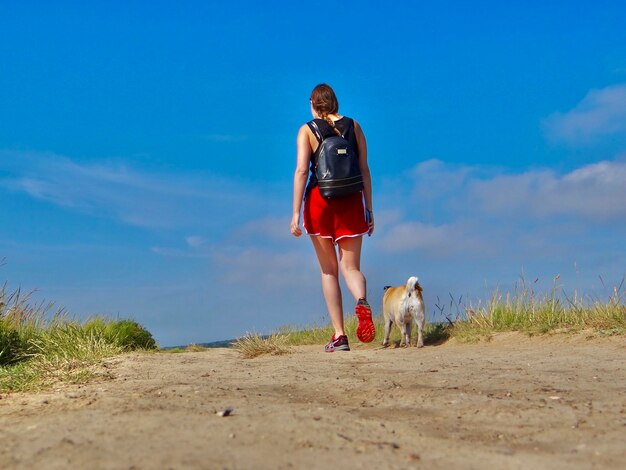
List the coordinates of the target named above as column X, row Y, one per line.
column 253, row 345
column 530, row 313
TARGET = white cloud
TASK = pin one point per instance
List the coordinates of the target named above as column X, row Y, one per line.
column 195, row 241
column 592, row 192
column 439, row 241
column 434, row 178
column 134, row 197
column 170, row 252
column 408, row 236
column 439, row 193
column 600, row 113
column 266, row 270
column 268, row 228
column 491, row 213
column 388, row 216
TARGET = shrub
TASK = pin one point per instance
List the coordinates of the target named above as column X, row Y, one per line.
column 130, row 335
column 127, row 334
column 40, row 345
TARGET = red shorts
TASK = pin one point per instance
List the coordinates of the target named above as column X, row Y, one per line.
column 334, row 218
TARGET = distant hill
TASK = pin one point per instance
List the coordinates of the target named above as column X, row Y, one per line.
column 227, row 343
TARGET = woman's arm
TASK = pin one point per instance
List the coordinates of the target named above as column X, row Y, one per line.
column 365, row 172
column 300, row 177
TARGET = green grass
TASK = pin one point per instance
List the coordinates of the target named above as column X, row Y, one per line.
column 40, row 346
column 555, row 312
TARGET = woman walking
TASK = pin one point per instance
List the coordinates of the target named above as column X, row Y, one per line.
column 336, row 225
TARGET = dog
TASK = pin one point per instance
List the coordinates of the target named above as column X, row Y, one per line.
column 402, row 305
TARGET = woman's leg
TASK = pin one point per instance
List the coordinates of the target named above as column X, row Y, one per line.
column 327, row 258
column 350, row 263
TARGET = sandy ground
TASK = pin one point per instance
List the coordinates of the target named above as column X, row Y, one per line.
column 515, row 402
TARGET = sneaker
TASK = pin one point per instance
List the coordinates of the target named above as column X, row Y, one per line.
column 365, row 331
column 337, row 344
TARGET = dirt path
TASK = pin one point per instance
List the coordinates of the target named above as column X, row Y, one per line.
column 515, row 402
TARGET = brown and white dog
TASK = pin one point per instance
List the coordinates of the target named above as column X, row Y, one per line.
column 402, row 305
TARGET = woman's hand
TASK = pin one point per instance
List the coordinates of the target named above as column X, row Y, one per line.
column 296, row 231
column 369, row 218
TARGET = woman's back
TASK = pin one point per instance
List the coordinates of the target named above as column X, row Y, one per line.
column 345, row 125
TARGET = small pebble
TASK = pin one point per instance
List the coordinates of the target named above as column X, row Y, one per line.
column 225, row 412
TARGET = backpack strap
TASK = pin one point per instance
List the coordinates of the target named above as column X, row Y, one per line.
column 348, row 127
column 316, row 131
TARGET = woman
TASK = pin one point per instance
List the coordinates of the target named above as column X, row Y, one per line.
column 336, row 225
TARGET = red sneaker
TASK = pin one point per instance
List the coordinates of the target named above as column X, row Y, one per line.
column 365, row 331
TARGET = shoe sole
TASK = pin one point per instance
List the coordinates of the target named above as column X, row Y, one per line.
column 365, row 331
column 340, row 348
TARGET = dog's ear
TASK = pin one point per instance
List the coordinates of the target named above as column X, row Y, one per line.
column 386, row 287
column 418, row 288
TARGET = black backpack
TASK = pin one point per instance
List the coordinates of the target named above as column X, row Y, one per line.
column 337, row 165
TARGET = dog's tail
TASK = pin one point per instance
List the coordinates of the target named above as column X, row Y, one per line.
column 413, row 285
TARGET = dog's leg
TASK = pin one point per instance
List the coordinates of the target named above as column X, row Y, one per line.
column 409, row 330
column 420, row 338
column 388, row 322
column 420, row 318
column 405, row 335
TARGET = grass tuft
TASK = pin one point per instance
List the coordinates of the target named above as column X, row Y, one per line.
column 253, row 345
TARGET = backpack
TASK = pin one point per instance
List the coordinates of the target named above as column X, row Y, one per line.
column 337, row 166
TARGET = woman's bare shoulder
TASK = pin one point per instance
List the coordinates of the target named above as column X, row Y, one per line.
column 304, row 130
column 357, row 128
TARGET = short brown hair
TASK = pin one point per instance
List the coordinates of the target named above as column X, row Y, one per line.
column 324, row 100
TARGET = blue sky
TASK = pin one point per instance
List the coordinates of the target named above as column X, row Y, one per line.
column 147, row 152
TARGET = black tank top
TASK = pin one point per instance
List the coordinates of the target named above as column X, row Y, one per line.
column 344, row 124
